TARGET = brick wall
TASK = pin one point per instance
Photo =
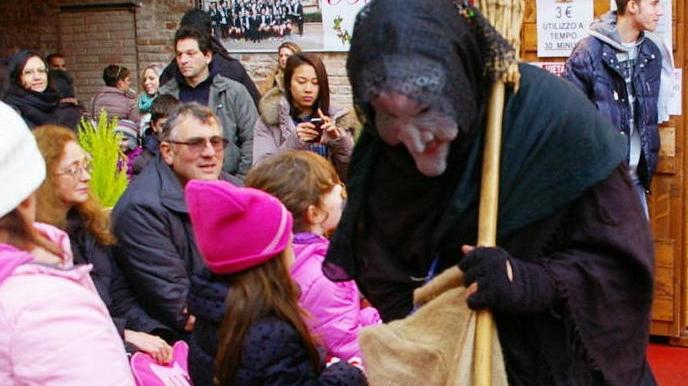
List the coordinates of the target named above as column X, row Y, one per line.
column 260, row 65
column 93, row 39
column 29, row 24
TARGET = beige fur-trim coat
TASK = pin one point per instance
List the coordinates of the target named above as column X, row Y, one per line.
column 276, row 131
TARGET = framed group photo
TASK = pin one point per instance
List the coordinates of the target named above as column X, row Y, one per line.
column 262, row 25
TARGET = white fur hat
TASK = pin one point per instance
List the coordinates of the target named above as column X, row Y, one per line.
column 22, row 168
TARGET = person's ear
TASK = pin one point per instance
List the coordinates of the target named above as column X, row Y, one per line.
column 314, row 215
column 27, row 208
column 632, row 6
column 166, row 152
column 209, row 56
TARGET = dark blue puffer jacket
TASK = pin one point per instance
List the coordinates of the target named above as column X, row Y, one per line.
column 206, row 302
column 272, row 352
column 594, row 68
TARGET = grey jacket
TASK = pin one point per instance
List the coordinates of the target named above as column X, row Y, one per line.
column 233, row 105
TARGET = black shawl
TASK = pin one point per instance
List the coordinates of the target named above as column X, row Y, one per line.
column 555, row 148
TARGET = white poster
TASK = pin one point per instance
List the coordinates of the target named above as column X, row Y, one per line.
column 676, row 92
column 338, row 18
column 561, row 24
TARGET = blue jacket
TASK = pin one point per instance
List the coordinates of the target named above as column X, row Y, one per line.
column 272, row 352
column 207, row 303
column 593, row 67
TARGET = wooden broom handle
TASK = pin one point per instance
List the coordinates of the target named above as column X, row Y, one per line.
column 487, row 227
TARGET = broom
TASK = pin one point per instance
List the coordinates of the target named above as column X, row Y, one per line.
column 506, row 16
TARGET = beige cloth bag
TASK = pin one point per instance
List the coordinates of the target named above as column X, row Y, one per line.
column 434, row 346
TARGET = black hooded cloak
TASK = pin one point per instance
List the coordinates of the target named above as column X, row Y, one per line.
column 565, row 199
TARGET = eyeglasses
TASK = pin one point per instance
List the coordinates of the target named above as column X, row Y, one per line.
column 77, row 169
column 197, row 144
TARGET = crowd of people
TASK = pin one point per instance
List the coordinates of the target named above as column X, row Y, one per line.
column 254, row 230
column 255, row 20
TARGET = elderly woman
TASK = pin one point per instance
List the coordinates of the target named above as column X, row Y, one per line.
column 28, row 92
column 65, row 201
column 301, row 117
column 570, row 285
column 53, row 327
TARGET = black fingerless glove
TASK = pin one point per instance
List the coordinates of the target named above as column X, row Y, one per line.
column 531, row 290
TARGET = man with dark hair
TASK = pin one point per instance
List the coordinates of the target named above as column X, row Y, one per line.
column 223, row 63
column 198, row 80
column 63, row 84
column 619, row 68
column 56, row 62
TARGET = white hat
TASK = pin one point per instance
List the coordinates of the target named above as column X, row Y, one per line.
column 22, row 168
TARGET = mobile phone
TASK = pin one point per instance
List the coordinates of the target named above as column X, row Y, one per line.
column 317, row 122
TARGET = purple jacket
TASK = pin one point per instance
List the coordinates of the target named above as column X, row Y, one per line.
column 336, row 315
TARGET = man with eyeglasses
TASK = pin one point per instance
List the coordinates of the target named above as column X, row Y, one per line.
column 199, row 81
column 156, row 246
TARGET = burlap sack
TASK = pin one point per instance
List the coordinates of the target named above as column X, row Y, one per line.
column 428, row 346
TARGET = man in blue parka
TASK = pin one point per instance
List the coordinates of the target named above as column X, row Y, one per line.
column 619, row 69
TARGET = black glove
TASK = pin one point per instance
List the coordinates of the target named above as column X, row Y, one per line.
column 531, row 290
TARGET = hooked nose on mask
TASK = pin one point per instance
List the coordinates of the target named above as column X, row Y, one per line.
column 415, row 140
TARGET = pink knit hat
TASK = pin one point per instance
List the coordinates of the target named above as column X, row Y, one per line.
column 236, row 228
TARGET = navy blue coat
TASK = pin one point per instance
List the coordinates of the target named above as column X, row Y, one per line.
column 272, row 352
column 109, row 280
column 594, row 69
column 156, row 245
column 207, row 303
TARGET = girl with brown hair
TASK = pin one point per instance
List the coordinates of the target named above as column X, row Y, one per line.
column 263, row 338
column 65, row 201
column 302, row 118
column 309, row 187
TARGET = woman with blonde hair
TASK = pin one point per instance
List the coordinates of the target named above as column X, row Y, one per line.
column 276, row 78
column 64, row 200
column 150, row 83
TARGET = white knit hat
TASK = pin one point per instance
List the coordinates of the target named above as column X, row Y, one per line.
column 22, row 168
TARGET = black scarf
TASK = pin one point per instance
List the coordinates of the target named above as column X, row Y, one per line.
column 37, row 108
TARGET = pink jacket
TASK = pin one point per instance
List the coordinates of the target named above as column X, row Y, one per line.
column 336, row 315
column 54, row 329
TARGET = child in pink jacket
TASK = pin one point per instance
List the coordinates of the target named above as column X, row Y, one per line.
column 54, row 329
column 310, row 188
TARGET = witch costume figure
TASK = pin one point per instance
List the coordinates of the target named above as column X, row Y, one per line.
column 570, row 285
